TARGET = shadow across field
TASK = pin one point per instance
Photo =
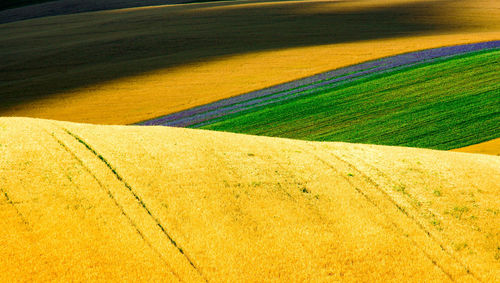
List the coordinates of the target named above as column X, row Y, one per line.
column 47, row 56
column 18, row 10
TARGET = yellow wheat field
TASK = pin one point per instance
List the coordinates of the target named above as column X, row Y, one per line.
column 489, row 147
column 120, row 203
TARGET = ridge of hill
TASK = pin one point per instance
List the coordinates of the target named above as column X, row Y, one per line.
column 93, row 202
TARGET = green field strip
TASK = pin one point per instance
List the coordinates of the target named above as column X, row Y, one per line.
column 446, row 104
column 337, row 84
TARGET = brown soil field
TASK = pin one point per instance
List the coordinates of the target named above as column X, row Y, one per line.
column 125, row 66
column 490, row 147
column 125, row 203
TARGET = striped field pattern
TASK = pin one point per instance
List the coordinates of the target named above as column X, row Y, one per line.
column 310, row 108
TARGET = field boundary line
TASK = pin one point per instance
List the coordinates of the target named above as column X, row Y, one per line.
column 138, row 200
column 209, row 113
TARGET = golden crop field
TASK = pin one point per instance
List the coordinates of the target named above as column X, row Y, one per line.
column 116, row 203
column 125, row 66
column 489, row 147
column 84, row 196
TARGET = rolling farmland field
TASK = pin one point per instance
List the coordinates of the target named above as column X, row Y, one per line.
column 250, row 141
column 432, row 104
column 18, row 10
column 194, row 205
column 488, row 147
column 131, row 65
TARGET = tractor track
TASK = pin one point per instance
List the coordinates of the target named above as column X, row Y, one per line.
column 414, row 219
column 13, row 204
column 372, row 200
column 113, row 198
column 135, row 196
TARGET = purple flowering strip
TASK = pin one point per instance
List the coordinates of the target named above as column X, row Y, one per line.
column 203, row 114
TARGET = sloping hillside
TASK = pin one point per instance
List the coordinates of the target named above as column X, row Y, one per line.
column 442, row 102
column 488, row 147
column 134, row 203
column 130, row 65
column 18, row 10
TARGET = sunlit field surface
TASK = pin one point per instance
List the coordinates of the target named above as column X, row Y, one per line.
column 115, row 203
column 126, row 66
column 488, row 147
column 308, row 169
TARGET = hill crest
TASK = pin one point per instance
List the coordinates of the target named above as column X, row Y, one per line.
column 194, row 205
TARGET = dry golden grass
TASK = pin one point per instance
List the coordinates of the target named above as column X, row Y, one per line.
column 124, row 66
column 490, row 147
column 84, row 202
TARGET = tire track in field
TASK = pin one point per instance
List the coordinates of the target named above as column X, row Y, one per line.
column 137, row 198
column 376, row 196
column 13, row 204
column 147, row 224
column 206, row 114
column 414, row 218
column 113, row 198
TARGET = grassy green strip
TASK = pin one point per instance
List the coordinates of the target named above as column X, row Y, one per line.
column 338, row 85
column 295, row 88
column 440, row 105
